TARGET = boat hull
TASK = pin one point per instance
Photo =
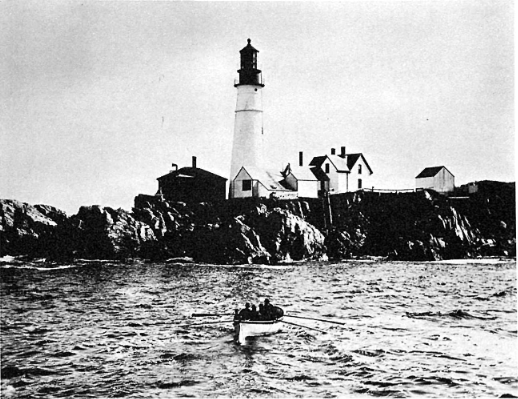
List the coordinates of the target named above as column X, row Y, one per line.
column 243, row 329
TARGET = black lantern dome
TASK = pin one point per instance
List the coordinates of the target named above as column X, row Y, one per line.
column 249, row 74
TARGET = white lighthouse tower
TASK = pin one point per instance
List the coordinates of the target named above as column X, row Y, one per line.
column 248, row 127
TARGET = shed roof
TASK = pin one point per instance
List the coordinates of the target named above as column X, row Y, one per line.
column 431, row 172
column 303, row 173
column 270, row 179
column 189, row 173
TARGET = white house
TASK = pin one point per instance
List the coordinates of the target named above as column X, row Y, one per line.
column 302, row 180
column 436, row 178
column 252, row 181
column 346, row 172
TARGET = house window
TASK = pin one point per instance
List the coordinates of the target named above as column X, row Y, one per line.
column 327, row 167
column 359, row 183
column 247, row 185
column 359, row 169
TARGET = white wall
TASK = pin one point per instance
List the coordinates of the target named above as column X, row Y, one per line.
column 247, row 148
column 424, row 182
column 354, row 175
column 442, row 182
column 237, row 185
column 308, row 188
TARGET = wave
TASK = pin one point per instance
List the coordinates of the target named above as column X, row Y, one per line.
column 457, row 314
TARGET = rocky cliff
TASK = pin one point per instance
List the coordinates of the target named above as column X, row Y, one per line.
column 411, row 226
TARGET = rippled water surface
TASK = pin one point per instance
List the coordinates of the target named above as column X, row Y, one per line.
column 123, row 330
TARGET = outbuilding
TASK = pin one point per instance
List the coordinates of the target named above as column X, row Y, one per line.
column 252, row 181
column 437, row 178
column 302, row 180
column 191, row 184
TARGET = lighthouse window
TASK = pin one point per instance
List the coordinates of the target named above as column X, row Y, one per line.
column 247, row 185
column 359, row 169
column 359, row 183
column 327, row 167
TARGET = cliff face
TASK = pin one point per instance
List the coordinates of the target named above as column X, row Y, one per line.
column 28, row 230
column 411, row 226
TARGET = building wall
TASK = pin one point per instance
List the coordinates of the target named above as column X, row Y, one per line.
column 424, row 182
column 308, row 188
column 292, row 182
column 193, row 189
column 237, row 186
column 441, row 182
column 355, row 174
column 247, row 148
column 444, row 181
column 335, row 180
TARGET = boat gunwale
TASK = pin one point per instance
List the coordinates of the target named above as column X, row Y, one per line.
column 259, row 322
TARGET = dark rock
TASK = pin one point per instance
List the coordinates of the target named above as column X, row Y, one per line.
column 26, row 229
column 105, row 233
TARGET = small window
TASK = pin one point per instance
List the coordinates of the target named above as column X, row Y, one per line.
column 327, row 167
column 359, row 169
column 247, row 185
column 359, row 183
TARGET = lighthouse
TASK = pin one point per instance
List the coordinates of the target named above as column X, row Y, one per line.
column 247, row 146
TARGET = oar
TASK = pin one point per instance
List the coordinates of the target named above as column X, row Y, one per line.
column 300, row 325
column 201, row 324
column 312, row 318
column 210, row 314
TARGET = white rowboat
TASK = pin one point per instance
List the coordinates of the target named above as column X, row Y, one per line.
column 254, row 328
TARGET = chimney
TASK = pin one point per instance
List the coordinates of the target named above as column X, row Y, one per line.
column 333, row 151
column 194, row 162
column 301, row 158
column 342, row 152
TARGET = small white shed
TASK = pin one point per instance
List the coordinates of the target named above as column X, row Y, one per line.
column 436, row 178
column 252, row 181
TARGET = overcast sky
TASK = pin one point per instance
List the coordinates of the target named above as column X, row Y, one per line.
column 99, row 98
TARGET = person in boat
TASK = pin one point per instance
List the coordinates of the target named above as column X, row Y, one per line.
column 254, row 314
column 272, row 312
column 246, row 313
column 262, row 312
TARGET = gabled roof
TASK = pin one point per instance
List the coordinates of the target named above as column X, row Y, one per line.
column 270, row 179
column 338, row 162
column 431, row 172
column 303, row 173
column 189, row 173
column 353, row 158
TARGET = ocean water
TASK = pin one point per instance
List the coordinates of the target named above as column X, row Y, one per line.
column 102, row 329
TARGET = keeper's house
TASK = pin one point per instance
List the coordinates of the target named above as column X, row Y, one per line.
column 436, row 178
column 191, row 184
column 345, row 172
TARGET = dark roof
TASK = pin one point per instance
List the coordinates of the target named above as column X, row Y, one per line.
column 318, row 161
column 320, row 174
column 353, row 158
column 248, row 48
column 189, row 172
column 431, row 172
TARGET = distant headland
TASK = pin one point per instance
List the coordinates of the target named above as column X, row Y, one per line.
column 416, row 226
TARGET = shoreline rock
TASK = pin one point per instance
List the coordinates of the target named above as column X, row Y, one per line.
column 417, row 226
